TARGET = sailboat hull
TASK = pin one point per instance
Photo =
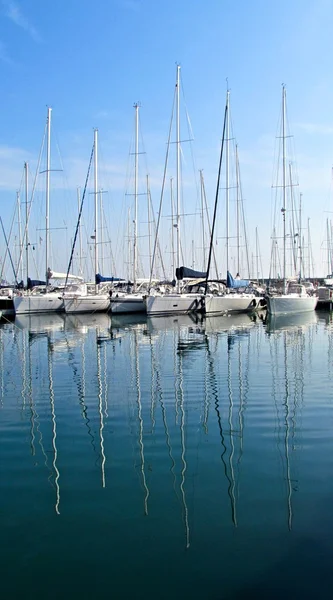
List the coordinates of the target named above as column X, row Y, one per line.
column 235, row 303
column 39, row 303
column 290, row 304
column 129, row 303
column 87, row 304
column 173, row 304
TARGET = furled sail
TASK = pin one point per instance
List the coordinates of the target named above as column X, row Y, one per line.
column 100, row 279
column 185, row 272
column 236, row 283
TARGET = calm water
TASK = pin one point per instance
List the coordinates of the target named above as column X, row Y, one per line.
column 163, row 458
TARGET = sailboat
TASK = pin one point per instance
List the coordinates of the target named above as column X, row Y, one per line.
column 175, row 302
column 294, row 298
column 132, row 302
column 74, row 301
column 39, row 298
column 232, row 301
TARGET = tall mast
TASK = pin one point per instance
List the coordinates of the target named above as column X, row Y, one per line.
column 96, row 201
column 227, row 171
column 202, row 220
column 47, row 210
column 328, row 247
column 80, row 236
column 149, row 221
column 237, row 211
column 257, row 255
column 178, row 171
column 300, row 237
column 135, row 232
column 172, row 231
column 26, row 175
column 101, row 228
column 20, row 265
column 284, row 182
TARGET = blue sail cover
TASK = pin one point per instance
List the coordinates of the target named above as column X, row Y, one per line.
column 236, row 283
column 34, row 282
column 183, row 272
column 100, row 279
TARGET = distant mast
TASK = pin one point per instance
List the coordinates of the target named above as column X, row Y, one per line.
column 47, row 210
column 178, row 172
column 96, row 201
column 227, row 179
column 284, row 178
column 136, row 171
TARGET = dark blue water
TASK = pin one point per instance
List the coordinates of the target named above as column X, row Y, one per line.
column 166, row 458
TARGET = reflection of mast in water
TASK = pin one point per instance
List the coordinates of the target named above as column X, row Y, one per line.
column 231, row 433
column 159, row 392
column 2, row 350
column 100, row 409
column 215, row 394
column 286, row 437
column 285, row 460
column 141, row 444
column 54, row 425
column 27, row 390
column 180, row 404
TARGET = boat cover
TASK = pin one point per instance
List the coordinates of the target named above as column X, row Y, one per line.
column 34, row 282
column 183, row 272
column 236, row 283
column 100, row 279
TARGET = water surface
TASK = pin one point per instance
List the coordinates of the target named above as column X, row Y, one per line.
column 166, row 457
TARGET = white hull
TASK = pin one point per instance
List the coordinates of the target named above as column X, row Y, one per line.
column 128, row 303
column 39, row 303
column 290, row 304
column 178, row 304
column 228, row 303
column 87, row 304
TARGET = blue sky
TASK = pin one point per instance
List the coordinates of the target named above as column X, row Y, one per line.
column 92, row 61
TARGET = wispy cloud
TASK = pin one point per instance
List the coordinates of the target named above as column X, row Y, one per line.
column 14, row 13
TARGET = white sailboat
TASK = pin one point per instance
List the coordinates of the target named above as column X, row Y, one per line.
column 174, row 303
column 132, row 302
column 294, row 298
column 41, row 299
column 229, row 301
column 77, row 301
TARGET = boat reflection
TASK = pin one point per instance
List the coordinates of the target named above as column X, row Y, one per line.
column 286, row 322
column 85, row 321
column 42, row 323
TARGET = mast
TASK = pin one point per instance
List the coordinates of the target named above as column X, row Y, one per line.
column 284, row 182
column 227, row 172
column 20, row 265
column 26, row 176
column 80, row 236
column 96, row 202
column 101, row 228
column 328, row 247
column 135, row 233
column 178, row 172
column 149, row 220
column 237, row 210
column 300, row 236
column 172, row 230
column 257, row 255
column 202, row 218
column 47, row 209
